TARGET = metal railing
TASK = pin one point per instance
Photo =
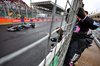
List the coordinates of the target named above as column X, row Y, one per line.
column 56, row 58
column 97, row 42
column 96, row 34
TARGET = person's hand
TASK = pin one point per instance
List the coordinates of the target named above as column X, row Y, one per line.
column 50, row 37
column 47, row 33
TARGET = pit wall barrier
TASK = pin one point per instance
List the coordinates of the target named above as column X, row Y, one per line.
column 16, row 21
column 97, row 42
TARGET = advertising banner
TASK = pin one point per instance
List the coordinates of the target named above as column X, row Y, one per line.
column 27, row 20
column 44, row 19
column 35, row 20
column 22, row 20
column 40, row 19
column 31, row 20
column 16, row 20
column 5, row 21
column 48, row 19
column 54, row 19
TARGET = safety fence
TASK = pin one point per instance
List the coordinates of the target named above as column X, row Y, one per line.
column 57, row 57
column 14, row 21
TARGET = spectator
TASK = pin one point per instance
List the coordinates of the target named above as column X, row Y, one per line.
column 22, row 16
column 52, row 46
column 60, row 33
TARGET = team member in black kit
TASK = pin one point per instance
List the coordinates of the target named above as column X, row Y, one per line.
column 55, row 39
column 80, row 40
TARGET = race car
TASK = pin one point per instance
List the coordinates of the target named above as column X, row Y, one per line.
column 15, row 28
column 27, row 25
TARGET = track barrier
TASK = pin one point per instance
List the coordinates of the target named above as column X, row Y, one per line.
column 13, row 21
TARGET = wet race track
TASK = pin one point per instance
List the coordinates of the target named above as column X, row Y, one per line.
column 13, row 41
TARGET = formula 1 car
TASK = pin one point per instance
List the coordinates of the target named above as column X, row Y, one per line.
column 27, row 25
column 15, row 28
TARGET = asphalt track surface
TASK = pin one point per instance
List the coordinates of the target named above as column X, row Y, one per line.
column 13, row 41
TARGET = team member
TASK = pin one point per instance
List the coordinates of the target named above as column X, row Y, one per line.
column 60, row 33
column 80, row 40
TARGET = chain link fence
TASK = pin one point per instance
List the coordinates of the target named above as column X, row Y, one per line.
column 56, row 58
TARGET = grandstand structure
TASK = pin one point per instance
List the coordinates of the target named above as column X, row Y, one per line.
column 14, row 9
column 95, row 16
column 46, row 7
column 18, row 9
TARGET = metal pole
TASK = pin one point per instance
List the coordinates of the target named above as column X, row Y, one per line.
column 30, row 2
column 8, row 9
column 4, row 10
column 19, row 9
column 60, row 30
column 54, row 11
column 32, row 12
column 26, row 13
column 31, row 7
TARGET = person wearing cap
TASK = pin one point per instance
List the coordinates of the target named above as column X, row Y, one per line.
column 55, row 39
column 60, row 33
column 52, row 46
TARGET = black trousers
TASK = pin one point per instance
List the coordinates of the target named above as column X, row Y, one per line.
column 76, row 46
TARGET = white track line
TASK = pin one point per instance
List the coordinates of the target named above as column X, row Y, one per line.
column 19, row 52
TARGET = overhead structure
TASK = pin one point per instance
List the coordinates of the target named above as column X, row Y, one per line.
column 97, row 15
column 47, row 6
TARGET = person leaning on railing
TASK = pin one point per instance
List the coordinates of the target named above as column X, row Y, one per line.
column 56, row 39
column 80, row 40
